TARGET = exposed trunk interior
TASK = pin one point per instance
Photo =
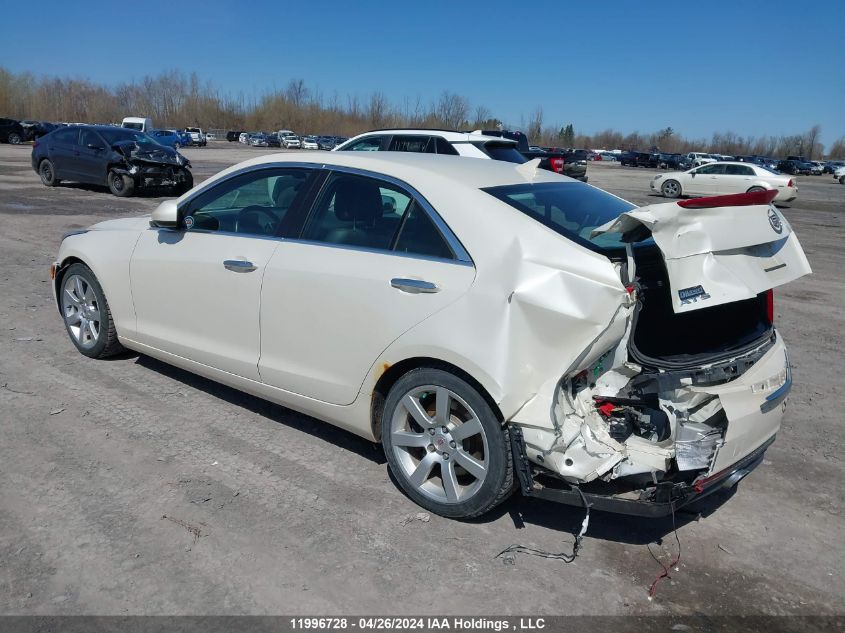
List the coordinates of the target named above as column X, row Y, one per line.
column 663, row 338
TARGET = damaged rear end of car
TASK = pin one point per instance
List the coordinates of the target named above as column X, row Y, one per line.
column 682, row 386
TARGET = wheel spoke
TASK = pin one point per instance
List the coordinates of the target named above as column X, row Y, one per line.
column 95, row 314
column 79, row 289
column 72, row 297
column 423, row 469
column 404, row 438
column 412, row 405
column 474, row 467
column 83, row 324
column 443, row 405
column 73, row 319
column 91, row 330
column 88, row 297
column 450, row 481
column 467, row 429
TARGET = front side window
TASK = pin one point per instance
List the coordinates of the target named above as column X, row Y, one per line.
column 69, row 136
column 255, row 203
column 369, row 144
column 711, row 170
column 89, row 138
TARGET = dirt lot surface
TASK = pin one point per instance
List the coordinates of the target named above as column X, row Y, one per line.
column 130, row 487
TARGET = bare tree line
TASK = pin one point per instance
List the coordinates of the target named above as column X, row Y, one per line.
column 176, row 99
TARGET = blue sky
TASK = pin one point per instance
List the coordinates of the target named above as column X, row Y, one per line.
column 754, row 68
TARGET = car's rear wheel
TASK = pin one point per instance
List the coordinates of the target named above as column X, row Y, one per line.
column 48, row 173
column 754, row 189
column 121, row 185
column 86, row 313
column 14, row 138
column 671, row 189
column 445, row 446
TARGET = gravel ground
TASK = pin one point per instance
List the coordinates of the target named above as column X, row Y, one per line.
column 130, row 487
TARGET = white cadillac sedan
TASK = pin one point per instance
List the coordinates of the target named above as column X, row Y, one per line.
column 493, row 325
column 716, row 179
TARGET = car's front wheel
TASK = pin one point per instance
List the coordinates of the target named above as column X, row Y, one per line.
column 671, row 189
column 14, row 138
column 445, row 446
column 48, row 173
column 842, row 180
column 121, row 185
column 86, row 313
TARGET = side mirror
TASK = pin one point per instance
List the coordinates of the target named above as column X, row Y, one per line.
column 166, row 215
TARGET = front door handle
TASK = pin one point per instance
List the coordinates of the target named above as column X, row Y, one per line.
column 239, row 266
column 415, row 286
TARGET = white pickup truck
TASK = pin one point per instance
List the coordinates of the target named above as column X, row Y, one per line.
column 197, row 136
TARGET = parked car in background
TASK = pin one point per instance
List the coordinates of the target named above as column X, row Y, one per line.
column 197, row 136
column 723, row 178
column 572, row 163
column 122, row 159
column 137, row 123
column 839, row 174
column 670, row 161
column 638, row 159
column 210, row 137
column 326, row 142
column 243, row 137
column 610, row 156
column 11, row 131
column 832, row 165
column 257, row 139
column 291, row 141
column 273, row 140
column 817, row 168
column 232, row 135
column 186, row 138
column 794, row 167
column 698, row 158
column 309, row 142
column 36, row 129
column 497, row 336
column 169, row 138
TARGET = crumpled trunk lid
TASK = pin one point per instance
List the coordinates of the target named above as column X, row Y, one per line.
column 717, row 250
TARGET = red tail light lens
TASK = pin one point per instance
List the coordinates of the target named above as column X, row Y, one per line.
column 770, row 305
column 789, row 184
column 556, row 164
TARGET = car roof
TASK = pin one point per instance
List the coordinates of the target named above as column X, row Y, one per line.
column 450, row 135
column 414, row 168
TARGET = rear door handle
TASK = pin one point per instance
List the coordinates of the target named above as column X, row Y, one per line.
column 239, row 266
column 415, row 286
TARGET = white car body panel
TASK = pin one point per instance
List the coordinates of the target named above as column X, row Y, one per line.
column 182, row 272
column 315, row 327
column 731, row 253
column 724, row 184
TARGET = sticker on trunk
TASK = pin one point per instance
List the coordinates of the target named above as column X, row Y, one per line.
column 692, row 294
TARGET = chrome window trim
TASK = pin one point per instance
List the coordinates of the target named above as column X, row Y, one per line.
column 381, row 251
column 461, row 254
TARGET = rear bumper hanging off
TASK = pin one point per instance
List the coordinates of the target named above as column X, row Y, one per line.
column 665, row 498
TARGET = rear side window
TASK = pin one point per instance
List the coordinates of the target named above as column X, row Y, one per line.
column 502, row 151
column 419, row 236
column 572, row 209
column 418, row 144
column 444, row 146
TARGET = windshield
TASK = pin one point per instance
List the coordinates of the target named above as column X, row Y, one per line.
column 572, row 209
column 117, row 135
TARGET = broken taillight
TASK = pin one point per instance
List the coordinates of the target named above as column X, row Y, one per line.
column 790, row 184
column 770, row 305
column 556, row 164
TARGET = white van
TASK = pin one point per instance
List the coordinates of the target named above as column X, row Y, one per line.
column 140, row 124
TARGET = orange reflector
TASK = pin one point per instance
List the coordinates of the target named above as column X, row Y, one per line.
column 52, row 271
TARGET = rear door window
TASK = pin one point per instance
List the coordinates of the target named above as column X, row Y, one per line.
column 68, row 136
column 418, row 144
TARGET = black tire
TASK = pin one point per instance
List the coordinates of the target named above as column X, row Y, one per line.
column 107, row 343
column 754, row 189
column 14, row 138
column 48, row 173
column 842, row 180
column 121, row 185
column 187, row 185
column 673, row 190
column 498, row 481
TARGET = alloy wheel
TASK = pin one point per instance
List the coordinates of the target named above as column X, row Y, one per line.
column 440, row 444
column 81, row 310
